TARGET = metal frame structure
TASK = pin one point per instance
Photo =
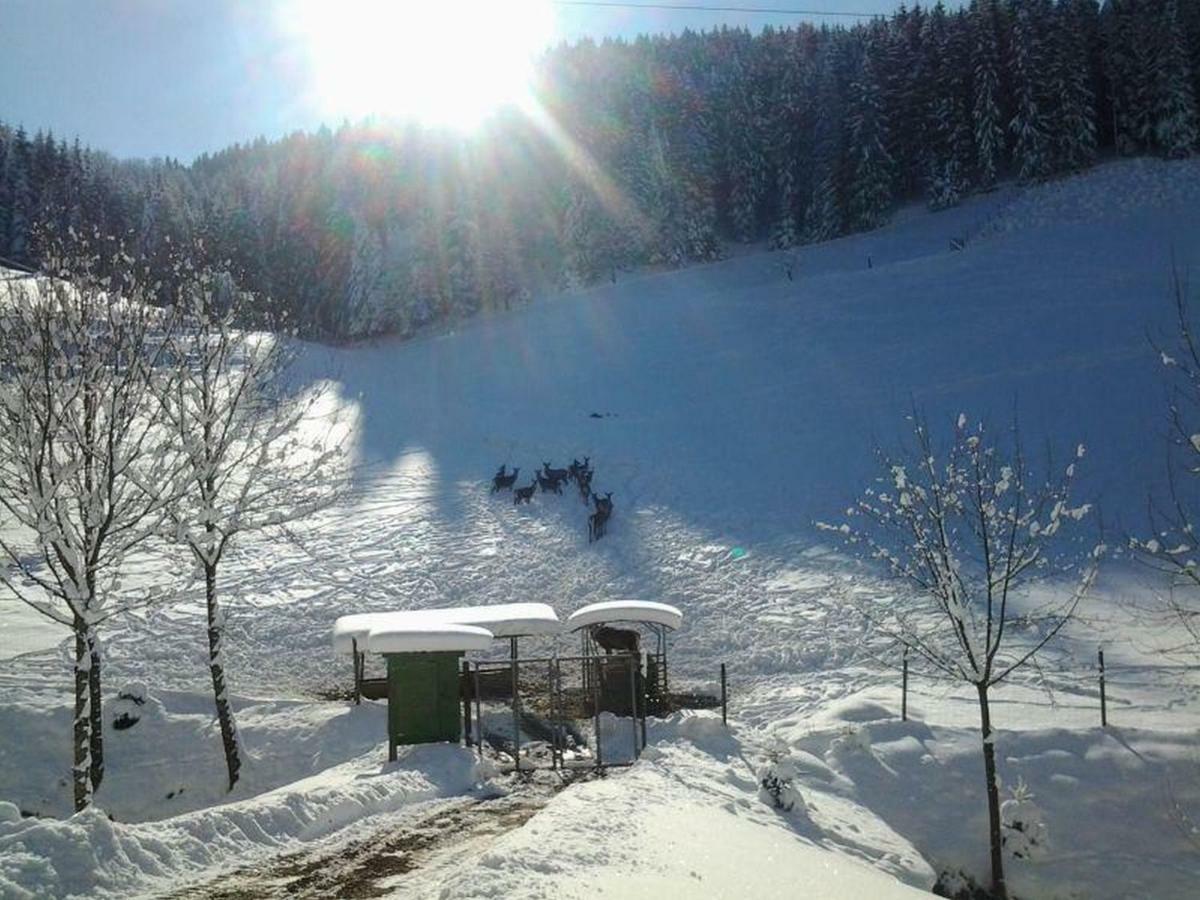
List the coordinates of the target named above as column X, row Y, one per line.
column 558, row 718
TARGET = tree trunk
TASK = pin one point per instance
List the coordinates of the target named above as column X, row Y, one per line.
column 80, row 770
column 216, row 666
column 999, row 887
column 96, row 711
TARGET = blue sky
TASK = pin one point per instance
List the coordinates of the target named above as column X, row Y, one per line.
column 159, row 78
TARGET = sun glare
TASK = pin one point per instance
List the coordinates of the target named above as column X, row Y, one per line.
column 442, row 63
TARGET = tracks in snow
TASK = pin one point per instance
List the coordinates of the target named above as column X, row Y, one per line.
column 386, row 861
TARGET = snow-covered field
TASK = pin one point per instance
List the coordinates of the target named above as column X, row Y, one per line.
column 727, row 409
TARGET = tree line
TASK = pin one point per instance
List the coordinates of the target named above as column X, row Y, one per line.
column 652, row 151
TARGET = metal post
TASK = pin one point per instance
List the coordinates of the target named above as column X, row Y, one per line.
column 553, row 715
column 643, row 698
column 662, row 644
column 633, row 711
column 464, row 688
column 904, row 690
column 516, row 705
column 724, row 703
column 478, row 712
column 357, row 672
column 1103, row 698
column 596, row 710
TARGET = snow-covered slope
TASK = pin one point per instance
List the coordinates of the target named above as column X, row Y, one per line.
column 727, row 408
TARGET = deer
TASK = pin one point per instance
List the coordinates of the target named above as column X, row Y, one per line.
column 585, row 486
column 548, row 484
column 500, row 481
column 579, row 469
column 556, row 474
column 603, row 504
column 598, row 524
column 524, row 494
column 610, row 639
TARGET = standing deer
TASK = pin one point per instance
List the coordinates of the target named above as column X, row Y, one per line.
column 598, row 524
column 556, row 474
column 548, row 484
column 524, row 494
column 500, row 481
column 610, row 639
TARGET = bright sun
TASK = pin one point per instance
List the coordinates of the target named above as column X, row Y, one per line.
column 442, row 63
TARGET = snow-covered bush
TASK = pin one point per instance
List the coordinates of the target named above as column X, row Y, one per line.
column 1025, row 833
column 777, row 784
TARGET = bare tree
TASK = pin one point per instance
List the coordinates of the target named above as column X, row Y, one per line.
column 1171, row 547
column 966, row 532
column 84, row 471
column 255, row 454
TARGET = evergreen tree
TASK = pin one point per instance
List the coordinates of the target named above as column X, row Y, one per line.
column 1176, row 129
column 1074, row 119
column 1032, row 150
column 823, row 216
column 870, row 191
column 988, row 123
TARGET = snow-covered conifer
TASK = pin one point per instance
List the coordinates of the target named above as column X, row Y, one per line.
column 1032, row 150
column 1176, row 126
column 871, row 185
column 986, row 115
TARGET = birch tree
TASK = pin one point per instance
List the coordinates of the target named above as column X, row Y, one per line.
column 254, row 455
column 85, row 473
column 966, row 530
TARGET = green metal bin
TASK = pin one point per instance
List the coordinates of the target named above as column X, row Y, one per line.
column 423, row 698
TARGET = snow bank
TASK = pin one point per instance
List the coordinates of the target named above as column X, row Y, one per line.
column 88, row 855
column 685, row 821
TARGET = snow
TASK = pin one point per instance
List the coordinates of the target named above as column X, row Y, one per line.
column 502, row 620
column 415, row 638
column 687, row 821
column 625, row 611
column 735, row 409
column 89, row 855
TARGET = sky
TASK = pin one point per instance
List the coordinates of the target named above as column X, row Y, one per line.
column 175, row 78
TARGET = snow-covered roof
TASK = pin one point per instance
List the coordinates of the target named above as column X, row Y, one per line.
column 424, row 639
column 501, row 620
column 625, row 611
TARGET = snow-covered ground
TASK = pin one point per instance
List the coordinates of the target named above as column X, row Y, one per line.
column 727, row 408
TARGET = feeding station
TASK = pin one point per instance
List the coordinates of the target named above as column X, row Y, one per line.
column 426, row 677
column 423, row 688
column 608, row 676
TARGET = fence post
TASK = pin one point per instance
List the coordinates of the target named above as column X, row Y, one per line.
column 516, row 704
column 464, row 691
column 1103, row 698
column 904, row 689
column 724, row 704
column 478, row 710
column 596, row 710
column 357, row 671
column 633, row 709
column 552, row 701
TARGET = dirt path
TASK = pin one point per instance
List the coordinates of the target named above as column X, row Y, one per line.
column 383, row 862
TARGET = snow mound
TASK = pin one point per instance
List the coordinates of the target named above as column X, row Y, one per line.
column 88, row 855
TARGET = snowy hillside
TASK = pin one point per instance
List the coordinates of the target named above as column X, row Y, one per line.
column 727, row 408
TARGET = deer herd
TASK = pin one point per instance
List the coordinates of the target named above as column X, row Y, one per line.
column 551, row 481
